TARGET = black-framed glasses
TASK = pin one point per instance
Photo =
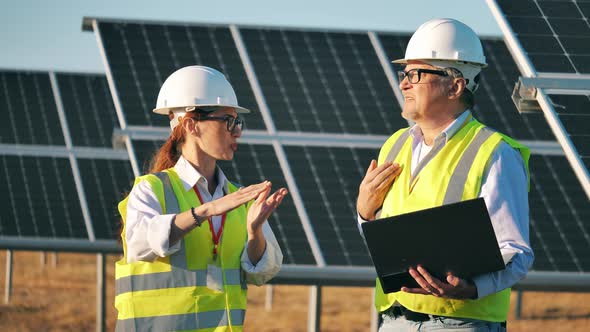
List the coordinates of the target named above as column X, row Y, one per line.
column 233, row 123
column 414, row 75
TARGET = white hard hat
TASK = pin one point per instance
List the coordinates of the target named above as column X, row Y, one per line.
column 444, row 43
column 196, row 87
column 445, row 39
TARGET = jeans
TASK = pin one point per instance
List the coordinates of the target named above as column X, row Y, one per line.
column 401, row 324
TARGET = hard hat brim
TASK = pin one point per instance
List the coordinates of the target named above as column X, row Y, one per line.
column 405, row 61
column 166, row 110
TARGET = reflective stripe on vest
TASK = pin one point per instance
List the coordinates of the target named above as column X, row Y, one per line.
column 192, row 321
column 172, row 279
column 459, row 177
column 397, row 146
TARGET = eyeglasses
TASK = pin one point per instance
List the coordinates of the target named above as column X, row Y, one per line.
column 414, row 75
column 233, row 123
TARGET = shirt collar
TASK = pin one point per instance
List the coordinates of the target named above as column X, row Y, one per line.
column 449, row 131
column 190, row 176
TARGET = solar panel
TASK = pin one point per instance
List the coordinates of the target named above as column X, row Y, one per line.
column 144, row 151
column 328, row 178
column 106, row 183
column 40, row 198
column 559, row 214
column 319, row 81
column 27, row 100
column 47, row 191
column 555, row 34
column 141, row 56
column 256, row 163
column 90, row 112
column 573, row 113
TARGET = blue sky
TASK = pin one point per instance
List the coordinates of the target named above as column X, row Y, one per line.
column 47, row 35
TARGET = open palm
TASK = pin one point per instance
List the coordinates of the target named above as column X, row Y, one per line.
column 263, row 207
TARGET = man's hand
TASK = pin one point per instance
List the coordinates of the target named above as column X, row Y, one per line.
column 454, row 288
column 374, row 187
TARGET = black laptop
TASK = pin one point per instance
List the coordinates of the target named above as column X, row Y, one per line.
column 456, row 238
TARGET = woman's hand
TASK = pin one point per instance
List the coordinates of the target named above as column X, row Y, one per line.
column 258, row 213
column 262, row 208
column 231, row 201
column 185, row 222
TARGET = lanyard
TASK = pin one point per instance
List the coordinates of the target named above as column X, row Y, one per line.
column 216, row 237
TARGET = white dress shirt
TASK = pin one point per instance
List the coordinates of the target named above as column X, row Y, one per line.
column 505, row 191
column 148, row 230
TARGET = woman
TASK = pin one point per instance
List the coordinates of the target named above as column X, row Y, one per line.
column 191, row 238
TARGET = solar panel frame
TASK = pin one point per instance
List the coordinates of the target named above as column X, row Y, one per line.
column 525, row 53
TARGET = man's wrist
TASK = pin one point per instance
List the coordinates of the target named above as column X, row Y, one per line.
column 366, row 217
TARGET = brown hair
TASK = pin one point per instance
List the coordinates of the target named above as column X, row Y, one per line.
column 168, row 154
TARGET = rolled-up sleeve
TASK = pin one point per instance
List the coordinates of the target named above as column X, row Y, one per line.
column 505, row 191
column 270, row 263
column 147, row 230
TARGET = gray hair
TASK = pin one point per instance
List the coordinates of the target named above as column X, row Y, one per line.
column 467, row 97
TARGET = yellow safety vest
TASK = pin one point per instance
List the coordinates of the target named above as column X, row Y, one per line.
column 453, row 174
column 171, row 293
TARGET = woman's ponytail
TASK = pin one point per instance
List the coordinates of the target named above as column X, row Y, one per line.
column 169, row 153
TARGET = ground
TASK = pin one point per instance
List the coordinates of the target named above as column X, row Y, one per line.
column 63, row 298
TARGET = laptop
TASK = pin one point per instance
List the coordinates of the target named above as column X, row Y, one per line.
column 456, row 238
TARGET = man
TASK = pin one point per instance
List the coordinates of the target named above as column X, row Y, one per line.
column 418, row 168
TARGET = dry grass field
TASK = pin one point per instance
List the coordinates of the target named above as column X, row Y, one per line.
column 63, row 298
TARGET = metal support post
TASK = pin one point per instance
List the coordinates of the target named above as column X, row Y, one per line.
column 54, row 259
column 518, row 305
column 374, row 314
column 43, row 256
column 100, row 293
column 268, row 302
column 8, row 285
column 314, row 312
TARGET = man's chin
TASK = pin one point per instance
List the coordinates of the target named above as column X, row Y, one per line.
column 409, row 115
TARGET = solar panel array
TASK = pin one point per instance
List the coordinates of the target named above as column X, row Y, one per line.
column 321, row 83
column 555, row 36
column 330, row 85
column 41, row 157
